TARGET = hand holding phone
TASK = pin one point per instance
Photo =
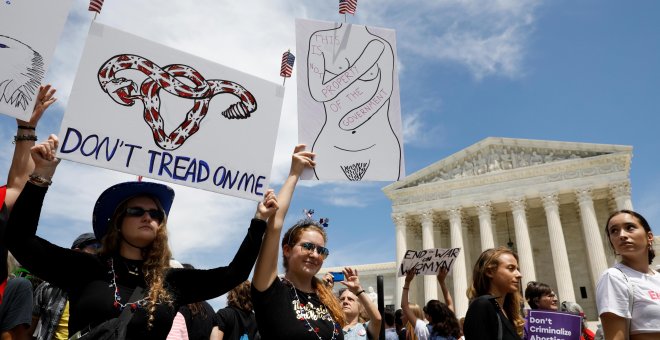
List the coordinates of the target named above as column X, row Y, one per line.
column 337, row 276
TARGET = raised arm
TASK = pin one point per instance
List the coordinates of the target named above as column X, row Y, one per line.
column 442, row 275
column 21, row 163
column 405, row 305
column 266, row 269
column 352, row 282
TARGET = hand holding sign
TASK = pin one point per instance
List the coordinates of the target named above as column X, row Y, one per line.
column 428, row 261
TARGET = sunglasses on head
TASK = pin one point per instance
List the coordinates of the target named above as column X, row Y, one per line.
column 155, row 214
column 310, row 247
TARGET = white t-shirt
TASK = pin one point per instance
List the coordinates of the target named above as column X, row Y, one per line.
column 612, row 296
column 421, row 331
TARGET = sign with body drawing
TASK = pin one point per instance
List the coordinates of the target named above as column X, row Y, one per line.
column 428, row 261
column 348, row 101
column 149, row 110
column 29, row 32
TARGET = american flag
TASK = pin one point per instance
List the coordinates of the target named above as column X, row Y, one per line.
column 95, row 6
column 347, row 6
column 287, row 64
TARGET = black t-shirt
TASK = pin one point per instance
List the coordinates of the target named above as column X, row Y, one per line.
column 484, row 318
column 201, row 324
column 86, row 278
column 235, row 322
column 281, row 316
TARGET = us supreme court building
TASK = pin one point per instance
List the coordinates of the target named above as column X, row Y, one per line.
column 546, row 200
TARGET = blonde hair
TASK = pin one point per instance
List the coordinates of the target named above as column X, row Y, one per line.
column 488, row 263
column 326, row 295
column 417, row 310
column 156, row 257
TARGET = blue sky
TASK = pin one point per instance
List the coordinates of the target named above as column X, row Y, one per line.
column 580, row 71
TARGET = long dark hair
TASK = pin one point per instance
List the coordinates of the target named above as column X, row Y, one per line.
column 642, row 221
column 443, row 320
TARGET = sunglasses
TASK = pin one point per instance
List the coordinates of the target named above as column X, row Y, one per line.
column 310, row 247
column 155, row 214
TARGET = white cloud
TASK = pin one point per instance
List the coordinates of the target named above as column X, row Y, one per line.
column 488, row 37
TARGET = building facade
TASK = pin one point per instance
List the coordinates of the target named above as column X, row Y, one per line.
column 546, row 200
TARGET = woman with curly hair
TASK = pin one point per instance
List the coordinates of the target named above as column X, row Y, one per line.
column 494, row 311
column 298, row 305
column 129, row 283
column 237, row 319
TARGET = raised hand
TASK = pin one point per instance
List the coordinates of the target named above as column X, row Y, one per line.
column 301, row 159
column 44, row 157
column 45, row 98
column 267, row 207
column 351, row 280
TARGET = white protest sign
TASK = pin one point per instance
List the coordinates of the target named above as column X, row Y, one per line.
column 29, row 32
column 150, row 110
column 428, row 261
column 349, row 110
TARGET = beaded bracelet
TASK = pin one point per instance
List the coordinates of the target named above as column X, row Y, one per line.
column 40, row 181
column 19, row 138
column 25, row 127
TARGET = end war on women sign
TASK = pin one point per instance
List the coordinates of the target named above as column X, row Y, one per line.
column 428, row 261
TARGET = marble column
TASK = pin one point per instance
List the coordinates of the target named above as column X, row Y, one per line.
column 459, row 272
column 484, row 210
column 621, row 193
column 592, row 236
column 523, row 242
column 430, row 282
column 400, row 226
column 558, row 247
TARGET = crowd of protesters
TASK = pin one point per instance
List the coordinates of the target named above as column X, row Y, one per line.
column 120, row 281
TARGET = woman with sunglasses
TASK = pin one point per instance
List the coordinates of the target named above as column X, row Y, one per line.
column 130, row 281
column 628, row 294
column 298, row 305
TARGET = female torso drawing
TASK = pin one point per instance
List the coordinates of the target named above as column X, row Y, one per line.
column 351, row 71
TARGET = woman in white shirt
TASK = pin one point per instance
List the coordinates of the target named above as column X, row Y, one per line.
column 624, row 315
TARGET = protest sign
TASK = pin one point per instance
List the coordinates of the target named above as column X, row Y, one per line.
column 428, row 261
column 29, row 32
column 349, row 109
column 150, row 110
column 549, row 325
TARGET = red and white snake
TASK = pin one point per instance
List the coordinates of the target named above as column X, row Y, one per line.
column 125, row 91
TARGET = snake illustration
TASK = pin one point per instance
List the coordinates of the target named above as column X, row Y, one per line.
column 125, row 92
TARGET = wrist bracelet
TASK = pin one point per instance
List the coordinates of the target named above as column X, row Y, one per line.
column 19, row 138
column 406, row 288
column 25, row 127
column 40, row 181
column 360, row 292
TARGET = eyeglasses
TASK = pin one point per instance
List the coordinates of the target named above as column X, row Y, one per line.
column 310, row 247
column 138, row 212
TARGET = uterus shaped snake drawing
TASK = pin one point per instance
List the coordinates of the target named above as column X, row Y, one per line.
column 169, row 78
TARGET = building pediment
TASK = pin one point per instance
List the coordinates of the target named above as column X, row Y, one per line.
column 496, row 155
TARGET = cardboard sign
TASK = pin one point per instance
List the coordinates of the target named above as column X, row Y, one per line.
column 150, row 110
column 349, row 109
column 546, row 325
column 428, row 261
column 29, row 32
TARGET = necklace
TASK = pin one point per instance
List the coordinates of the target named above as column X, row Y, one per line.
column 315, row 330
column 139, row 304
column 132, row 268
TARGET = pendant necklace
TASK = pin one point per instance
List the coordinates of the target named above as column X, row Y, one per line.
column 139, row 304
column 315, row 330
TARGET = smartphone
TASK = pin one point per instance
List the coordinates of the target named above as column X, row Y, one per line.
column 337, row 276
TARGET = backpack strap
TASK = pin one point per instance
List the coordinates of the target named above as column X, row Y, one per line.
column 126, row 314
column 631, row 301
